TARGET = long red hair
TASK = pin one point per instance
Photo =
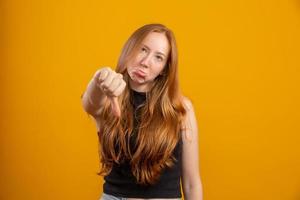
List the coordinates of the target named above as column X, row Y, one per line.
column 161, row 117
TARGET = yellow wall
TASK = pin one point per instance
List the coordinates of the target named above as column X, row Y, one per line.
column 239, row 63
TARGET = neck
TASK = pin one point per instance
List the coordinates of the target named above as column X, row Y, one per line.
column 139, row 87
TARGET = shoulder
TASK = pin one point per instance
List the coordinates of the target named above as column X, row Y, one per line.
column 189, row 123
column 187, row 103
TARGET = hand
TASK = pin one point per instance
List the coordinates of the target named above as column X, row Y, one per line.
column 112, row 85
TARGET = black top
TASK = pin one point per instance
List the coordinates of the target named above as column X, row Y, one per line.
column 121, row 182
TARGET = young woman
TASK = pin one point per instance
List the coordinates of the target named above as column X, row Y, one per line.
column 148, row 137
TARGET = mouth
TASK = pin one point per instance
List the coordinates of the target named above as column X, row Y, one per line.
column 140, row 73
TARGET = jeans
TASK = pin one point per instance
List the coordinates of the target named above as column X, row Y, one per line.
column 111, row 197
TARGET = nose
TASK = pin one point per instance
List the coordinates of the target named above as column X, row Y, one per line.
column 145, row 62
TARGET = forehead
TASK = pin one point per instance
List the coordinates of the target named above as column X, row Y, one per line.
column 157, row 42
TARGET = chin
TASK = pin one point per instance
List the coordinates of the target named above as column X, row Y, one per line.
column 139, row 81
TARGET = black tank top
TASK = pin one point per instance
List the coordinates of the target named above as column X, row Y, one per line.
column 121, row 182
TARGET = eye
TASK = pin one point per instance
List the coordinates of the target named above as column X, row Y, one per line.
column 159, row 58
column 144, row 49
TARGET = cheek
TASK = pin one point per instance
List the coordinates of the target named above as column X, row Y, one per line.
column 129, row 69
column 132, row 62
column 161, row 68
column 157, row 70
column 130, row 65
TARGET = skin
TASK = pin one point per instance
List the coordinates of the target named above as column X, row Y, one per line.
column 148, row 62
column 191, row 181
column 146, row 65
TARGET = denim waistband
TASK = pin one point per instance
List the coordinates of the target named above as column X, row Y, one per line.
column 111, row 197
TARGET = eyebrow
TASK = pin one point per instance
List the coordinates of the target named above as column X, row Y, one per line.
column 158, row 52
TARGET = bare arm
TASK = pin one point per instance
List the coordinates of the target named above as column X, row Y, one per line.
column 93, row 98
column 191, row 182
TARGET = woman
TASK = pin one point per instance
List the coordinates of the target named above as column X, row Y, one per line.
column 148, row 138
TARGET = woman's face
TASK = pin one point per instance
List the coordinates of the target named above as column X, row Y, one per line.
column 148, row 61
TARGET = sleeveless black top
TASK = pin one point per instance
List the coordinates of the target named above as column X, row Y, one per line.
column 121, row 182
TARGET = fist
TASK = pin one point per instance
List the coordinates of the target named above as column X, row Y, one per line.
column 112, row 85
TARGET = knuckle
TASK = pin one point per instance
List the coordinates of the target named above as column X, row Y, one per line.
column 104, row 69
column 104, row 85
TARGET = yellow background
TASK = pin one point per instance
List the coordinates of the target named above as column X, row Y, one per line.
column 239, row 64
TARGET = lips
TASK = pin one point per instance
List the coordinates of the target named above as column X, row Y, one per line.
column 140, row 73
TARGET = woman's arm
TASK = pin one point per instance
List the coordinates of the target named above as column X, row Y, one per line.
column 191, row 182
column 93, row 98
column 105, row 85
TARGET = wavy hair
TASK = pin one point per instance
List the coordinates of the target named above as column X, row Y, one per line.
column 160, row 122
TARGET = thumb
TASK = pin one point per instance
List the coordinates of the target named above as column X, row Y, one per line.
column 115, row 106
